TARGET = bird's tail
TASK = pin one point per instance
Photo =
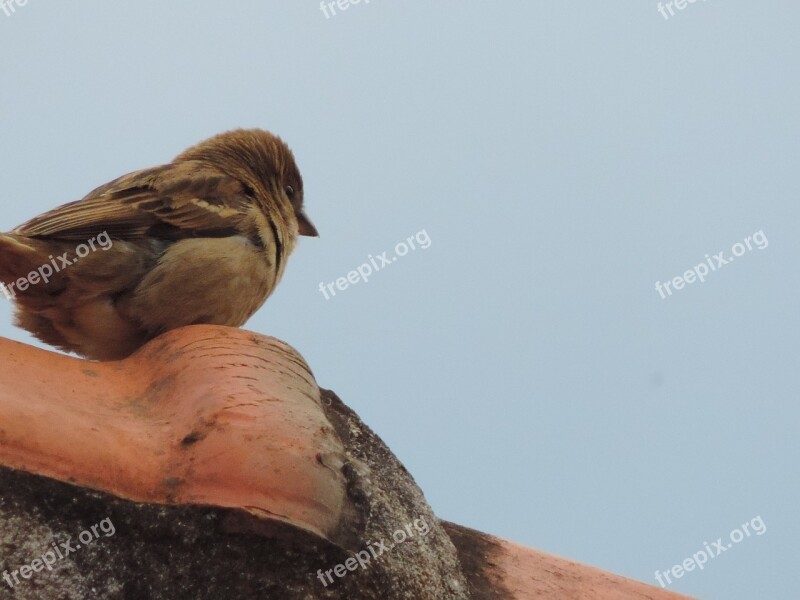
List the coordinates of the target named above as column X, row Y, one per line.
column 26, row 269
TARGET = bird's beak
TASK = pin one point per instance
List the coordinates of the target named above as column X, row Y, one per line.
column 305, row 226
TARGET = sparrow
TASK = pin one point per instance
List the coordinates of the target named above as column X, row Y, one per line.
column 203, row 239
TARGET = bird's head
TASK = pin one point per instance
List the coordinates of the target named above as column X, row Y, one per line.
column 265, row 165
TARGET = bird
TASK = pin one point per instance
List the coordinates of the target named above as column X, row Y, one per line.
column 203, row 239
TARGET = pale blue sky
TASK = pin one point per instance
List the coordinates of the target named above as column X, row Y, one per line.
column 562, row 158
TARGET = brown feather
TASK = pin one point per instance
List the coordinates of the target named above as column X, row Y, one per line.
column 190, row 196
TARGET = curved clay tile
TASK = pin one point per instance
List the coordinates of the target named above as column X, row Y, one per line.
column 206, row 415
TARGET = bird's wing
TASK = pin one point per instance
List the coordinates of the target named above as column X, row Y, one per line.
column 182, row 199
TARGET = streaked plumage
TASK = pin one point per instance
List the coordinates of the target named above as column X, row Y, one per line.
column 203, row 239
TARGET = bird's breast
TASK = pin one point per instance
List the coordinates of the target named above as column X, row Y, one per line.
column 219, row 281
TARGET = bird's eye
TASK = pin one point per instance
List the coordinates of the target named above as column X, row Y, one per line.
column 290, row 191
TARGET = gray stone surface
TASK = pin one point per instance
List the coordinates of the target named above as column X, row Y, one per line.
column 185, row 552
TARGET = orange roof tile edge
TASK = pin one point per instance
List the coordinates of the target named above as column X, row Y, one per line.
column 202, row 415
column 499, row 569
